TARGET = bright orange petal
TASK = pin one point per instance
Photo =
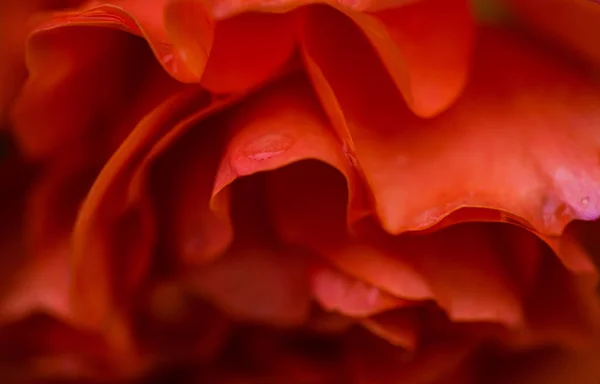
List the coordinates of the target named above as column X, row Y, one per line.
column 410, row 43
column 179, row 32
column 520, row 140
column 280, row 126
column 338, row 292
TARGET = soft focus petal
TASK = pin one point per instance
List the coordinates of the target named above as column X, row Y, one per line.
column 82, row 82
column 182, row 183
column 573, row 23
column 338, row 292
column 542, row 366
column 42, row 282
column 399, row 327
column 373, row 361
column 40, row 349
column 104, row 216
column 15, row 20
column 257, row 280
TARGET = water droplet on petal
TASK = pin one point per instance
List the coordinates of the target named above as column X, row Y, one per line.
column 268, row 146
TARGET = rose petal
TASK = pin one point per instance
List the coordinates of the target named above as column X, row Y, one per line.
column 563, row 308
column 375, row 361
column 68, row 351
column 119, row 194
column 179, row 32
column 464, row 267
column 81, row 84
column 399, row 327
column 227, row 8
column 171, row 323
column 262, row 42
column 257, row 280
column 182, row 182
column 570, row 22
column 445, row 266
column 279, row 126
column 108, row 203
column 338, row 292
column 42, row 282
column 308, row 204
column 545, row 366
column 484, row 145
column 411, row 42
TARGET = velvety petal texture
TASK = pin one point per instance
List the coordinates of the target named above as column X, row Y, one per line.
column 365, row 191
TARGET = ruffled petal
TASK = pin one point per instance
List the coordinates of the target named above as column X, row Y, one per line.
column 570, row 22
column 464, row 267
column 409, row 43
column 81, row 84
column 445, row 266
column 500, row 147
column 179, row 32
column 279, row 126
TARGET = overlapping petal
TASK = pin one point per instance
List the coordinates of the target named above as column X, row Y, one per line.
column 420, row 170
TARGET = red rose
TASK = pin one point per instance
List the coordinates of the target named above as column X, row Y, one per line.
column 305, row 192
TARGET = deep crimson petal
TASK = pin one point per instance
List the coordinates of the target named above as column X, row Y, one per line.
column 41, row 283
column 257, row 279
column 262, row 42
column 81, row 86
column 108, row 202
column 570, row 22
column 377, row 361
column 400, row 327
column 563, row 308
column 489, row 144
column 182, row 181
column 308, row 206
column 257, row 283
